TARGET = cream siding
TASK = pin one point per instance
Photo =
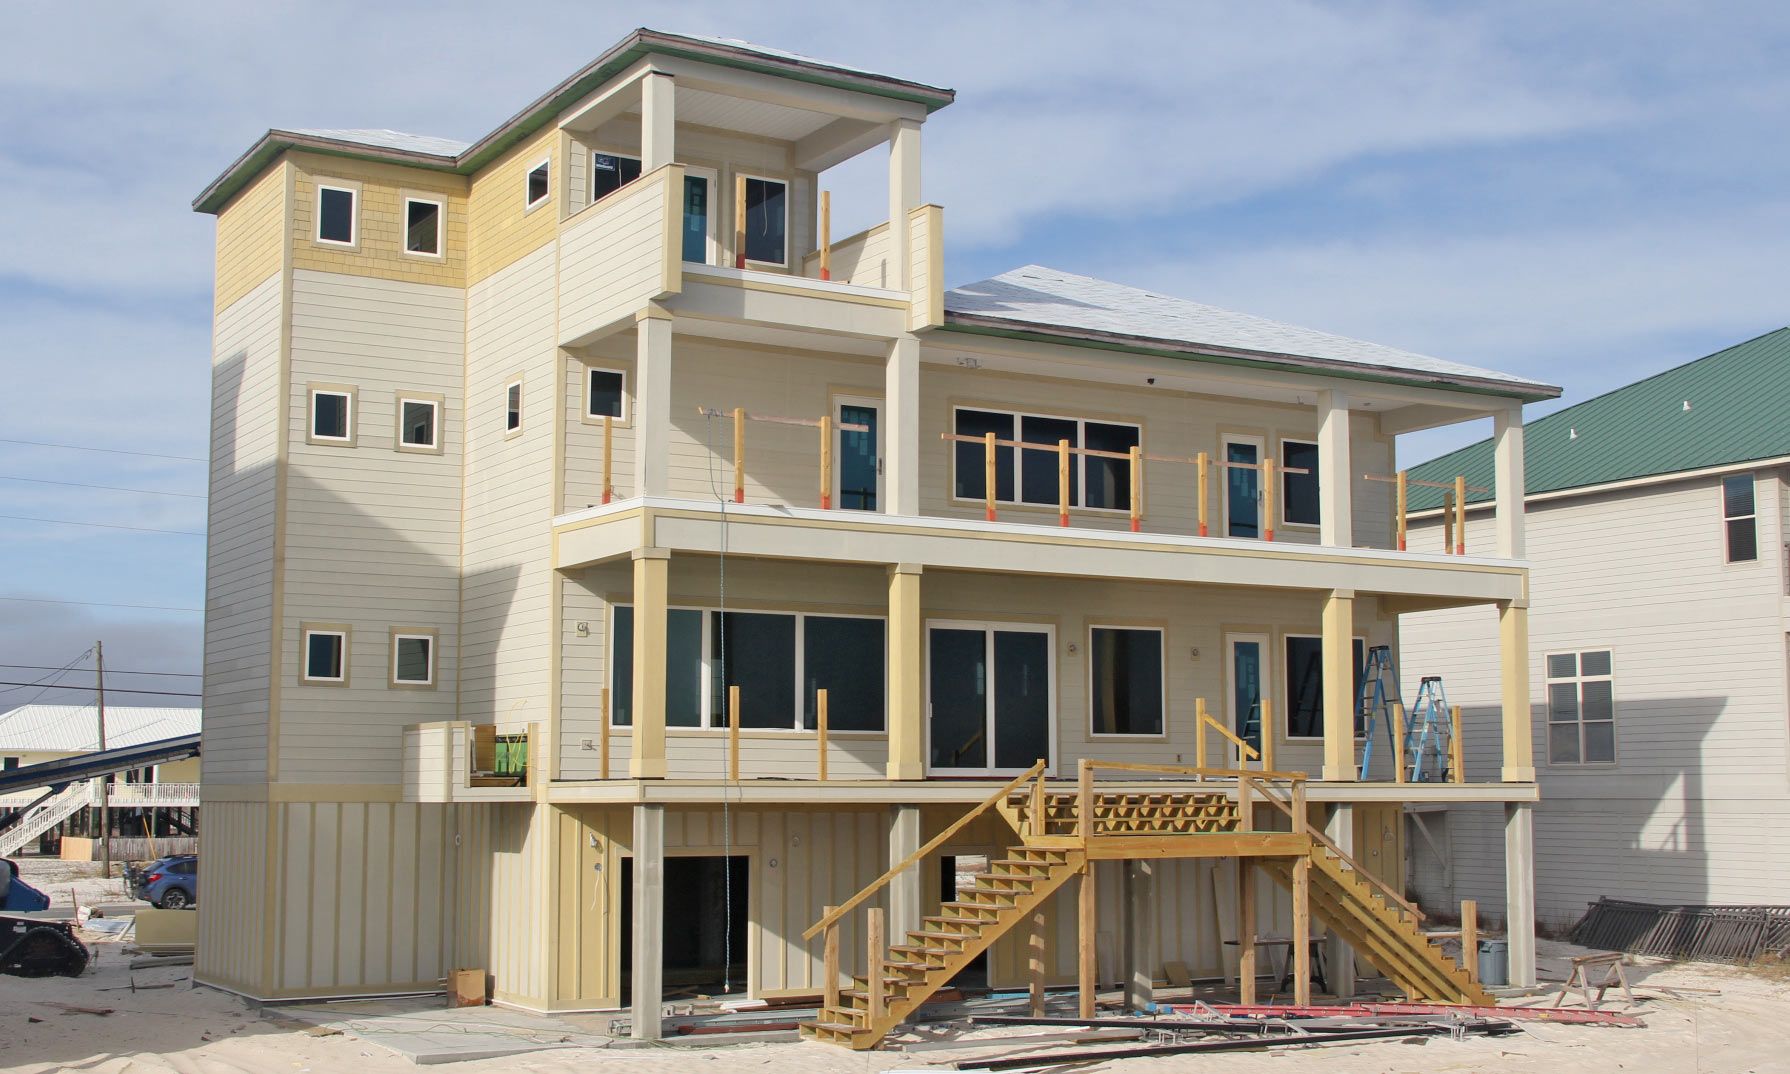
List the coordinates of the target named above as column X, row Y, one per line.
column 618, row 256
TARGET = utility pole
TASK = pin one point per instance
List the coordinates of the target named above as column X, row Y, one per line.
column 105, row 792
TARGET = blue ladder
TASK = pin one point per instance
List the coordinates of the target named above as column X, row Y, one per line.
column 1373, row 706
column 1429, row 733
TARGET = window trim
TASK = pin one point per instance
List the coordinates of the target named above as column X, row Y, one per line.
column 440, row 203
column 1578, row 679
column 1286, row 702
column 1161, row 632
column 353, row 190
column 1281, row 492
column 620, row 421
column 789, row 218
column 429, row 634
column 516, row 384
column 439, row 403
column 528, row 176
column 347, row 391
column 340, row 630
column 1721, row 492
column 708, row 726
column 1018, row 473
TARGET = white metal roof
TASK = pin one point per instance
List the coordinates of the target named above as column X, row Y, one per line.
column 1040, row 298
column 75, row 728
column 390, row 139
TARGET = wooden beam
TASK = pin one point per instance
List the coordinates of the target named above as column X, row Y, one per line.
column 1268, row 733
column 820, row 727
column 1035, row 963
column 1302, row 932
column 1398, row 742
column 1403, row 508
column 1086, row 932
column 1267, row 499
column 1470, row 937
column 1457, row 754
column 1246, row 933
column 826, row 234
column 739, row 454
column 1137, row 489
column 608, row 454
column 829, row 981
column 1201, row 845
column 739, row 221
column 1062, row 482
column 1460, row 516
column 826, row 463
column 603, row 738
column 1202, row 463
column 878, row 951
column 988, row 474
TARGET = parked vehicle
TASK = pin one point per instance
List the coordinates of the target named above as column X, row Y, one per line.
column 136, row 874
column 172, row 883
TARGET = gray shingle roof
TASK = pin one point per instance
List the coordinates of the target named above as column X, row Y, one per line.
column 75, row 728
column 389, row 139
column 1046, row 299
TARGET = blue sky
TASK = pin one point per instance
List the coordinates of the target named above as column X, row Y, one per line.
column 1581, row 193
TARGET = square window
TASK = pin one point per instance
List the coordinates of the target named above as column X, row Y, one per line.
column 512, row 417
column 418, row 421
column 766, row 232
column 538, row 187
column 1563, row 665
column 413, row 659
column 1125, row 673
column 1299, row 492
column 335, row 215
column 604, row 396
column 422, row 227
column 325, row 655
column 332, row 415
column 609, row 172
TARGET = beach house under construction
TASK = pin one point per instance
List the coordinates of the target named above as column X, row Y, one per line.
column 621, row 584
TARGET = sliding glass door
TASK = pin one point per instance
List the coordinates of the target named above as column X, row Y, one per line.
column 991, row 697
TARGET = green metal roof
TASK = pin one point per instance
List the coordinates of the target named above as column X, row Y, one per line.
column 1729, row 407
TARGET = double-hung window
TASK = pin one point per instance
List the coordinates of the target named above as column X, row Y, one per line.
column 1305, row 685
column 1100, row 482
column 512, row 408
column 1125, row 680
column 1581, row 708
column 1740, row 518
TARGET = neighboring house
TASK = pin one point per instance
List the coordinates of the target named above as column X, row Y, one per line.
column 480, row 581
column 164, row 795
column 1658, row 541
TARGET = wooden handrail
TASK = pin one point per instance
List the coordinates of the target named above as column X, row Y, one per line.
column 932, row 844
column 1325, row 841
column 1204, row 719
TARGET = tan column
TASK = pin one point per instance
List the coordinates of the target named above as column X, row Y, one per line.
column 904, row 194
column 649, row 920
column 1513, row 650
column 1507, row 462
column 1339, row 957
column 1339, row 685
column 658, row 118
column 1336, row 513
column 652, row 402
column 652, row 578
column 1519, row 891
column 907, row 697
column 906, row 892
column 901, row 427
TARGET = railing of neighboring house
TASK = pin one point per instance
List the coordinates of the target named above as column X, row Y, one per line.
column 135, row 795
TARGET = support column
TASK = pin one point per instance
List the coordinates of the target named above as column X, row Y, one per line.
column 647, row 986
column 1246, row 932
column 904, row 194
column 1519, row 891
column 1140, row 935
column 652, row 581
column 1508, row 479
column 905, row 891
column 1513, row 649
column 658, row 104
column 1339, row 686
column 652, row 402
column 1339, row 959
column 1336, row 513
column 1087, row 935
column 907, row 697
column 901, row 427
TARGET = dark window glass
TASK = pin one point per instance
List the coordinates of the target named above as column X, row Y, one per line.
column 537, row 183
column 621, row 667
column 971, row 483
column 756, row 652
column 764, row 220
column 857, row 458
column 1563, row 743
column 1743, row 540
column 1299, row 492
column 323, row 656
column 683, row 668
column 1563, row 702
column 1242, row 490
column 1563, row 665
column 845, row 657
column 418, row 428
column 1597, row 663
column 422, row 227
column 1737, row 508
column 1305, row 686
column 412, row 660
column 1021, row 698
column 1108, row 481
column 957, row 696
column 1127, row 681
column 335, row 215
column 1246, row 684
column 605, row 395
column 513, row 408
column 1600, row 742
column 610, row 172
column 329, row 415
column 1038, row 470
column 696, row 219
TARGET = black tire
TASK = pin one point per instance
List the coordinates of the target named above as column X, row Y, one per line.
column 175, row 899
column 45, row 952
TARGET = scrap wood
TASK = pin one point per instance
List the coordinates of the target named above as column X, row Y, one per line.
column 71, row 1008
column 738, row 1027
column 1570, row 1016
column 1086, row 1036
column 1044, row 1059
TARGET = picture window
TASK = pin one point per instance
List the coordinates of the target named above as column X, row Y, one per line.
column 609, row 172
column 605, row 394
column 1305, row 685
column 767, row 231
column 1094, row 481
column 1299, row 492
column 1125, row 677
column 419, row 423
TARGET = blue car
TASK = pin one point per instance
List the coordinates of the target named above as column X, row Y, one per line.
column 171, row 883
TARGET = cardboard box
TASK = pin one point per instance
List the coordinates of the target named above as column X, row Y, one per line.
column 466, row 988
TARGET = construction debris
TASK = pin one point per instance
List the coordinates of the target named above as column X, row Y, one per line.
column 1242, row 1044
column 1703, row 933
column 1521, row 1014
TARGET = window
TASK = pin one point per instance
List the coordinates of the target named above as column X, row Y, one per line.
column 609, row 172
column 419, row 424
column 1242, row 487
column 1305, row 685
column 512, row 407
column 1299, row 492
column 1581, row 708
column 336, row 217
column 1094, row 482
column 326, row 655
column 604, row 394
column 332, row 416
column 1125, row 680
column 1739, row 518
column 422, row 227
column 766, row 231
column 413, row 658
column 780, row 661
column 538, row 186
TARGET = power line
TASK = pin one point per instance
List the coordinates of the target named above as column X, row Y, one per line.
column 107, row 450
column 108, row 488
column 110, row 671
column 58, row 686
column 105, row 525
column 51, row 679
column 103, row 604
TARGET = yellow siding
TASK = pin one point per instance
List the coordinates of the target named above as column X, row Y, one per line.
column 251, row 237
column 379, row 250
column 500, row 230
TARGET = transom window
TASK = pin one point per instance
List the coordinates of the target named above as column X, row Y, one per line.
column 326, row 655
column 779, row 660
column 1739, row 518
column 1125, row 680
column 419, row 423
column 413, row 659
column 1581, row 708
column 422, row 227
column 605, row 394
column 1299, row 492
column 1094, row 481
column 1305, row 685
column 609, row 172
column 337, row 221
column 767, row 231
column 538, row 186
column 332, row 415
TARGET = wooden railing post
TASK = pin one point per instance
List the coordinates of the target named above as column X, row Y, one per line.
column 1084, row 802
column 1137, row 488
column 1402, row 506
column 608, row 454
column 1245, row 804
column 988, row 474
column 603, row 738
column 739, row 222
column 733, row 733
column 826, row 229
column 1460, row 520
column 820, row 726
column 1457, row 753
column 1199, row 732
column 1470, row 938
column 873, row 932
column 1268, row 499
column 1036, row 819
column 1266, row 706
column 1202, row 463
column 829, row 961
column 1448, row 522
column 826, row 463
column 1398, row 742
column 1062, row 482
column 739, row 454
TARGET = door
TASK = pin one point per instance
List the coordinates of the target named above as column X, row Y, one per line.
column 1248, row 683
column 1242, row 487
column 991, row 697
column 858, row 459
column 699, row 218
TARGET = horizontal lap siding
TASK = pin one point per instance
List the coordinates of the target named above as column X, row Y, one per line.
column 613, row 258
column 251, row 237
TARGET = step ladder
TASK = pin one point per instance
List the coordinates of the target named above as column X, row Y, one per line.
column 1428, row 736
column 1373, row 706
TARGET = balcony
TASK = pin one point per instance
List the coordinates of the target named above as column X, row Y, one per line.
column 457, row 761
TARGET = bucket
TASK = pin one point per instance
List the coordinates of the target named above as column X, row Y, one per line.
column 1494, row 963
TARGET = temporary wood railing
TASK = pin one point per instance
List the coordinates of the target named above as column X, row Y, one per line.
column 1135, row 459
column 1203, row 720
column 827, row 427
column 739, row 221
column 1457, row 760
column 1454, row 507
column 826, row 230
column 1467, row 934
column 820, row 730
column 1300, row 823
column 608, row 454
